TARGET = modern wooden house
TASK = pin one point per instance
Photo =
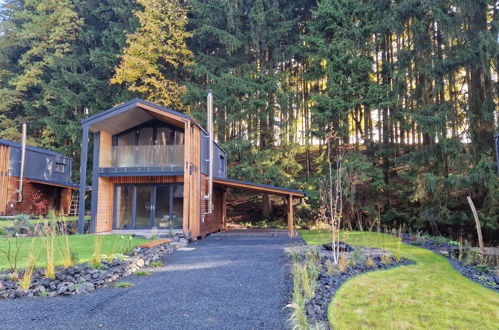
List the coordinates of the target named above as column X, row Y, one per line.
column 151, row 168
column 41, row 183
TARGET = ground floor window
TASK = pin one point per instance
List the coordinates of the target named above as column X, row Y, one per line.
column 139, row 206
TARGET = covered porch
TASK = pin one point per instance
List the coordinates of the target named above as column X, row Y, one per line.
column 291, row 196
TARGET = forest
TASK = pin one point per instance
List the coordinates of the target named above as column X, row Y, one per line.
column 406, row 91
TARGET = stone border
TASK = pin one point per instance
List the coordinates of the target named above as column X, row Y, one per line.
column 84, row 278
column 327, row 285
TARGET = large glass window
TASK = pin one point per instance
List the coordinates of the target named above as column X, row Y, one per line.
column 150, row 146
column 144, row 206
column 124, row 205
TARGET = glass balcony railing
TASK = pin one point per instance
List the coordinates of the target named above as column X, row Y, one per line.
column 149, row 156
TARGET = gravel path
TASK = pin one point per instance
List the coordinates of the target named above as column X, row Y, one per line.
column 232, row 280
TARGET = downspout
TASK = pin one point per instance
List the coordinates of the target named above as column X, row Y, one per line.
column 21, row 170
column 209, row 101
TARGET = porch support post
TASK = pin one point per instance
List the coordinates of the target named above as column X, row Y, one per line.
column 291, row 226
column 224, row 209
column 95, row 182
column 83, row 181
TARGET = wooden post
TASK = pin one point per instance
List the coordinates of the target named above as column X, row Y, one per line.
column 291, row 226
column 477, row 222
column 224, row 209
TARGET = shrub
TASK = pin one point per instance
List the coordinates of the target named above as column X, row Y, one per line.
column 22, row 222
column 142, row 273
column 482, row 268
column 356, row 257
column 157, row 264
column 122, row 285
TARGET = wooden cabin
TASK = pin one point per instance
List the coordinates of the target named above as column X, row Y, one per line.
column 46, row 181
column 151, row 170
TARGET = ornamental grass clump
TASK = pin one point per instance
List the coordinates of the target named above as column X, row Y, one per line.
column 97, row 256
column 330, row 269
column 370, row 262
column 49, row 237
column 25, row 282
column 342, row 263
column 67, row 255
column 298, row 317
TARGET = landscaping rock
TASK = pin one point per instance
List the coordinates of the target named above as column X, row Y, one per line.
column 83, row 278
column 344, row 247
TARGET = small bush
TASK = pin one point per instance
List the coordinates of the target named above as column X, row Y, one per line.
column 157, row 264
column 482, row 268
column 356, row 257
column 370, row 262
column 142, row 273
column 330, row 269
column 122, row 285
column 22, row 222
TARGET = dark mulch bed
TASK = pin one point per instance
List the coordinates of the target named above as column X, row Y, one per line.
column 327, row 285
column 450, row 252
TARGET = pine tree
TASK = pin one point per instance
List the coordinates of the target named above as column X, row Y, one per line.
column 156, row 54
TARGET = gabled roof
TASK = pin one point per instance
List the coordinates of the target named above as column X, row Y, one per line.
column 127, row 106
column 258, row 187
column 94, row 120
column 31, row 148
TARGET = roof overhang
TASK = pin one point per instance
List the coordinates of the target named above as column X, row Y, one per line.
column 54, row 183
column 257, row 187
column 131, row 114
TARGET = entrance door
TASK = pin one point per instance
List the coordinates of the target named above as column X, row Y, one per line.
column 146, row 206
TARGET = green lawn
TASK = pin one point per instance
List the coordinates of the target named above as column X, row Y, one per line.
column 82, row 244
column 427, row 295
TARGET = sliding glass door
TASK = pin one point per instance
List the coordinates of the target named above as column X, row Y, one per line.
column 142, row 206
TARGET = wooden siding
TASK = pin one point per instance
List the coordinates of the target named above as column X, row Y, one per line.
column 213, row 222
column 106, row 149
column 4, row 177
column 38, row 198
column 104, row 217
column 187, row 178
column 192, row 181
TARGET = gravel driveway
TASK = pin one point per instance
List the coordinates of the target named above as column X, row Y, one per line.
column 229, row 280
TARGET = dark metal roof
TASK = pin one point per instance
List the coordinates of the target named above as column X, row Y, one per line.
column 31, row 148
column 129, row 105
column 259, row 185
column 134, row 103
column 54, row 183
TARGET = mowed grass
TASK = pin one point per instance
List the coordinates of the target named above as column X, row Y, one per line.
column 82, row 244
column 427, row 295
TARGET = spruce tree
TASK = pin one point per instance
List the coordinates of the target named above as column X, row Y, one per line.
column 156, row 54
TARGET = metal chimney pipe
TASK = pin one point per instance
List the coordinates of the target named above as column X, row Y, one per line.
column 209, row 102
column 21, row 170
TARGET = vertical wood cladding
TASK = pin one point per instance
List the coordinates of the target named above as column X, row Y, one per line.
column 104, row 217
column 192, row 180
column 4, row 177
column 38, row 198
column 212, row 222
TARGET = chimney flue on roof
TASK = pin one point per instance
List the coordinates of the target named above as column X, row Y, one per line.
column 21, row 170
column 209, row 103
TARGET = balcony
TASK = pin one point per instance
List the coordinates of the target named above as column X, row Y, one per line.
column 146, row 159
